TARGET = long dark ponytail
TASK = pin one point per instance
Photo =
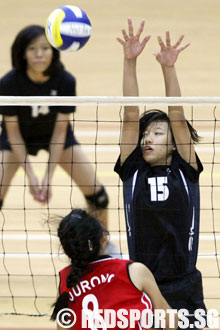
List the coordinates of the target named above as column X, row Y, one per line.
column 80, row 234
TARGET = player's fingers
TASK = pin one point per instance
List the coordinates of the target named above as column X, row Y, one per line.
column 120, row 41
column 47, row 195
column 157, row 55
column 168, row 38
column 178, row 41
column 36, row 194
column 160, row 42
column 183, row 47
column 38, row 198
column 130, row 28
column 146, row 39
column 125, row 35
column 43, row 195
column 34, row 189
column 141, row 28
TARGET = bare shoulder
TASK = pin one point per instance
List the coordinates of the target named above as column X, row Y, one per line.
column 140, row 275
column 140, row 268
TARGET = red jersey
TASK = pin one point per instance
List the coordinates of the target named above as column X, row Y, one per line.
column 106, row 286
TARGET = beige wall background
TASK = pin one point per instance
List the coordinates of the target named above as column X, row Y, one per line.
column 98, row 69
column 98, row 66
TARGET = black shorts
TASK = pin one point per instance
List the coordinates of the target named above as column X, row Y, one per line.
column 185, row 293
column 43, row 143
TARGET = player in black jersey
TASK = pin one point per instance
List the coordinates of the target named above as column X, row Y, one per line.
column 160, row 173
column 38, row 71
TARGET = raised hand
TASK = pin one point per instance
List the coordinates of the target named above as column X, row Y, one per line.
column 131, row 43
column 168, row 54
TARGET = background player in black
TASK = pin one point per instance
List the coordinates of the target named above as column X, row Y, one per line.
column 38, row 71
column 83, row 240
column 160, row 173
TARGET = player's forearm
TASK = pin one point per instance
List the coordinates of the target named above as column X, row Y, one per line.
column 55, row 151
column 172, row 88
column 171, row 81
column 130, row 88
column 54, row 157
column 57, row 143
column 20, row 152
column 130, row 84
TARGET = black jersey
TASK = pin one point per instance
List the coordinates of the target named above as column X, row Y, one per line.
column 36, row 123
column 162, row 207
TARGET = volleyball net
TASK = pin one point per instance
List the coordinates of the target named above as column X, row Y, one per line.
column 30, row 258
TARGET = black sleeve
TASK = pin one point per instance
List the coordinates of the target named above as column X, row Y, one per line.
column 8, row 88
column 132, row 163
column 187, row 169
column 67, row 88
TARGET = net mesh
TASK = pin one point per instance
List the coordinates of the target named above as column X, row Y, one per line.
column 30, row 258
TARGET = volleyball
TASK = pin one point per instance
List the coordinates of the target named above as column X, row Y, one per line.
column 68, row 28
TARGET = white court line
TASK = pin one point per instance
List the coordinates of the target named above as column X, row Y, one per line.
column 47, row 237
column 111, row 133
column 61, row 256
column 116, row 133
column 116, row 148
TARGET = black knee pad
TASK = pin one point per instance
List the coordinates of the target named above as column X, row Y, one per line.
column 98, row 200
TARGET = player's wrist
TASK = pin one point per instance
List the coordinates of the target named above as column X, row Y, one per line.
column 168, row 68
column 130, row 61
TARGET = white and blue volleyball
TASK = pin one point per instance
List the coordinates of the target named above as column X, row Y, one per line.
column 68, row 28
